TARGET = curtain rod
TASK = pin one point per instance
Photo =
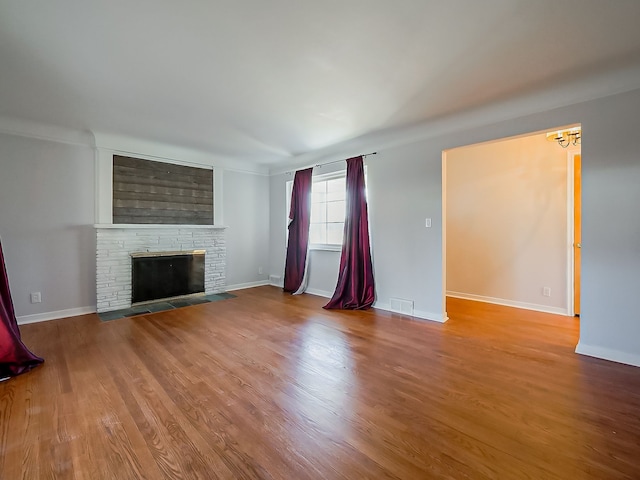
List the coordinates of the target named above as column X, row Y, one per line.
column 337, row 161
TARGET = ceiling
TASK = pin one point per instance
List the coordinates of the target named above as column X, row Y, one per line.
column 266, row 81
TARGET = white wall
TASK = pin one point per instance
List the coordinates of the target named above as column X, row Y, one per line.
column 323, row 272
column 405, row 186
column 246, row 213
column 405, row 189
column 278, row 226
column 507, row 229
column 46, row 224
column 610, row 303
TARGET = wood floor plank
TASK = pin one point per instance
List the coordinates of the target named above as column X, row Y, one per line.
column 271, row 386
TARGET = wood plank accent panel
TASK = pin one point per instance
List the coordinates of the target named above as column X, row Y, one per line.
column 271, row 386
column 145, row 191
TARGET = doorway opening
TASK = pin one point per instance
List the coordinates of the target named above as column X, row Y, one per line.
column 511, row 229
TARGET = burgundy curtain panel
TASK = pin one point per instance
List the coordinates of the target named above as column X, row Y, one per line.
column 300, row 216
column 355, row 288
column 15, row 358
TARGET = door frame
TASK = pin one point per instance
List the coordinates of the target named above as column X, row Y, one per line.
column 571, row 153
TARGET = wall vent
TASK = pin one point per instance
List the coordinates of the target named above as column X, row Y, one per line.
column 399, row 305
column 275, row 280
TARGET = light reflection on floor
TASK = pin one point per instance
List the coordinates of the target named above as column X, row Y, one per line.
column 324, row 380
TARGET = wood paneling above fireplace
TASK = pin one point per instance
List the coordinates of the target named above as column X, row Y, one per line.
column 149, row 192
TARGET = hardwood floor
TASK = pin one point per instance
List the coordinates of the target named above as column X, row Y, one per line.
column 271, row 386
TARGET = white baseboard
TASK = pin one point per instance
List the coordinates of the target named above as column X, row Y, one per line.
column 45, row 317
column 509, row 303
column 608, row 354
column 419, row 314
column 319, row 293
column 385, row 306
column 242, row 286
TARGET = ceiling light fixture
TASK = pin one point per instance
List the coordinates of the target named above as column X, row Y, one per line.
column 571, row 136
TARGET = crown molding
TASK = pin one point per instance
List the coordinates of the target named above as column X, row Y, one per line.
column 547, row 98
column 126, row 145
column 42, row 131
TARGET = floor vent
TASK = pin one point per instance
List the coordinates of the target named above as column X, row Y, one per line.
column 399, row 305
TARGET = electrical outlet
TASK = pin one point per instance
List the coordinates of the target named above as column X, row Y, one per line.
column 36, row 297
column 546, row 291
column 427, row 223
column 260, row 270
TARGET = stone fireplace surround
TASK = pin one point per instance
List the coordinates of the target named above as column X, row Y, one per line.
column 116, row 243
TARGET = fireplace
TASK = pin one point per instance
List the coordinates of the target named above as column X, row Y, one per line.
column 117, row 244
column 160, row 275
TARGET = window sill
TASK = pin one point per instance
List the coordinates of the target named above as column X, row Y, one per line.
column 325, row 247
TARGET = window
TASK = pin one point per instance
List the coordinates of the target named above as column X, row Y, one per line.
column 327, row 211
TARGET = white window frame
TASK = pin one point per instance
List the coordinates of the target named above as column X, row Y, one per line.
column 332, row 247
